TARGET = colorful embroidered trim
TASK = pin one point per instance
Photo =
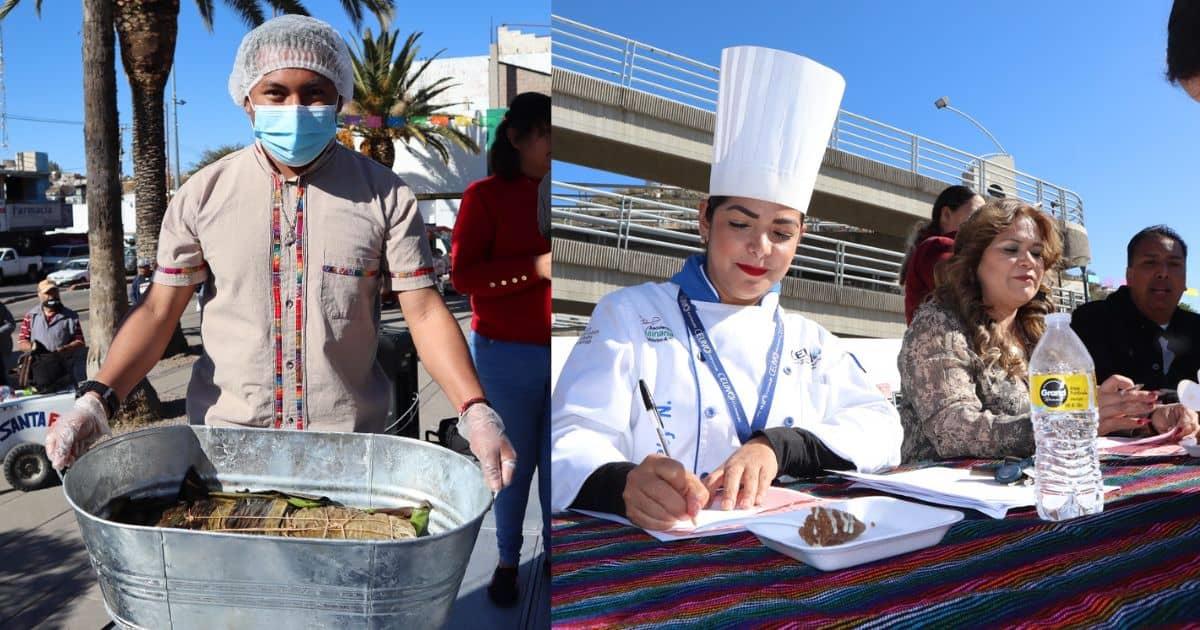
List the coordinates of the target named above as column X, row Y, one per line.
column 300, row 203
column 347, row 271
column 277, row 300
column 415, row 273
column 179, row 271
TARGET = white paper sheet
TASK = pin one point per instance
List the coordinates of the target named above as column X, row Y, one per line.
column 951, row 486
column 1162, row 445
column 711, row 522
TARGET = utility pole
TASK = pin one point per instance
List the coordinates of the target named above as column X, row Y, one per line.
column 176, row 102
column 3, row 98
column 167, row 134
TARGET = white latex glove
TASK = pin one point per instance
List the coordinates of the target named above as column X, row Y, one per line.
column 74, row 433
column 1189, row 394
column 483, row 428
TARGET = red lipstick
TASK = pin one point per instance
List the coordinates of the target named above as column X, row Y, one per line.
column 751, row 269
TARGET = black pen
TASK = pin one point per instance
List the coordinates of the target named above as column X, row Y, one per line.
column 659, row 426
column 652, row 408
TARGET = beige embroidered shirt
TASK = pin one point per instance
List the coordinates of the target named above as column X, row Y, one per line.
column 952, row 404
column 291, row 301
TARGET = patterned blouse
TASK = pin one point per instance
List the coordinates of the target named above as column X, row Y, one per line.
column 952, row 405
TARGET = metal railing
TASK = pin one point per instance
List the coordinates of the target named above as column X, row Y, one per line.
column 628, row 218
column 606, row 56
column 1066, row 299
column 630, row 63
column 634, row 222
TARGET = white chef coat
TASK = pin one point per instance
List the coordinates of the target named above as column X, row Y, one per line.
column 597, row 414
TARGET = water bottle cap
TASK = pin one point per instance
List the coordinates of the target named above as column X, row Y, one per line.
column 1058, row 319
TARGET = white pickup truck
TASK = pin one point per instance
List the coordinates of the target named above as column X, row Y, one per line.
column 13, row 265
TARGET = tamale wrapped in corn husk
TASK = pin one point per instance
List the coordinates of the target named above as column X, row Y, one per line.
column 271, row 513
column 276, row 517
column 334, row 522
column 223, row 514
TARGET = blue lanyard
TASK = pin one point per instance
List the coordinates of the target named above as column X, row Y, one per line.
column 766, row 389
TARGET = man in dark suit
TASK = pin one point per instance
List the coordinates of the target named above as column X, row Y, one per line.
column 1139, row 331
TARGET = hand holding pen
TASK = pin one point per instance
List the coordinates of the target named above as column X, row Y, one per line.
column 661, row 428
column 660, row 492
column 1125, row 406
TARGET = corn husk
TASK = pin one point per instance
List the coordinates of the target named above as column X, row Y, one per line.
column 270, row 513
column 333, row 522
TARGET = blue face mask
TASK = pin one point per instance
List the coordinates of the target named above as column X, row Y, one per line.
column 295, row 134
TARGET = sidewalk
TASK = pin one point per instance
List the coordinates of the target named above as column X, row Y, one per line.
column 46, row 580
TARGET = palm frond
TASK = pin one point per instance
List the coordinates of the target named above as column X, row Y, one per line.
column 354, row 11
column 249, row 10
column 205, row 7
column 384, row 10
column 292, row 7
column 459, row 138
column 384, row 85
column 9, row 5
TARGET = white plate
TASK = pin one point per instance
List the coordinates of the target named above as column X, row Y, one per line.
column 894, row 526
column 1189, row 445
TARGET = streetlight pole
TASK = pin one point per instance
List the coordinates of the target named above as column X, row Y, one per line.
column 944, row 103
column 176, row 102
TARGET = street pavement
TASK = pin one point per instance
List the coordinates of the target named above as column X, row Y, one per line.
column 46, row 580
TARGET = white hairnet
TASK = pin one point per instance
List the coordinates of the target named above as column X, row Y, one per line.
column 291, row 41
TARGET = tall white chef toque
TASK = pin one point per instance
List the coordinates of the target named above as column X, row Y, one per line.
column 775, row 111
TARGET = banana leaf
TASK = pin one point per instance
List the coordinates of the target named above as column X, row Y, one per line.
column 417, row 515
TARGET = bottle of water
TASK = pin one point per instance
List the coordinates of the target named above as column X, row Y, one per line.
column 1063, row 402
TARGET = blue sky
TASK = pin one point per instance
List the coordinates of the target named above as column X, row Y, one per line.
column 1074, row 90
column 43, row 77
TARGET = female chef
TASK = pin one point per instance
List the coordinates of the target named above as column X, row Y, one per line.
column 746, row 391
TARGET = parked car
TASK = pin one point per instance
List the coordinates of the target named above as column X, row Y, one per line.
column 58, row 255
column 13, row 265
column 73, row 272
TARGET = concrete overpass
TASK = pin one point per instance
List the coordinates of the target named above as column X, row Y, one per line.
column 623, row 130
column 626, row 107
column 620, row 130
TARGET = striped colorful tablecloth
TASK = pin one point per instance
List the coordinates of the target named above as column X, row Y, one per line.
column 1136, row 564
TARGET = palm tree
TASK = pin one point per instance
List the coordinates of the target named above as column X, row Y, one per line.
column 384, row 87
column 146, row 30
column 102, row 145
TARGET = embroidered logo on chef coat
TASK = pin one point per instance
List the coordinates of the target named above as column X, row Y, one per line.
column 587, row 337
column 804, row 355
column 655, row 331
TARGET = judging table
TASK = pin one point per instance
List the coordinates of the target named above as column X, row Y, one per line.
column 1135, row 564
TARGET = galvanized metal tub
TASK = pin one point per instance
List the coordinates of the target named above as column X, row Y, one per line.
column 169, row 578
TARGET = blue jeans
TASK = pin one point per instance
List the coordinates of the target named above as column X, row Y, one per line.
column 516, row 380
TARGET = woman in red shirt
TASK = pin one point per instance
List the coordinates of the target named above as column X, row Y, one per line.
column 933, row 243
column 500, row 258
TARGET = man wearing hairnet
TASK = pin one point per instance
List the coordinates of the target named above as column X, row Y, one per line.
column 291, row 237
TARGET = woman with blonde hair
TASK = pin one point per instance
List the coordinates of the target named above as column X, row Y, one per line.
column 963, row 363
